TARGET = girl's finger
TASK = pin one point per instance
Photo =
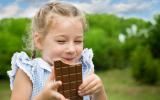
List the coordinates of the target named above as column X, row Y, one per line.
column 91, row 91
column 89, row 86
column 56, row 84
column 86, row 81
column 94, row 90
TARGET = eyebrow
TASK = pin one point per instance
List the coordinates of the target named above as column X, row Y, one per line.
column 78, row 36
column 58, row 35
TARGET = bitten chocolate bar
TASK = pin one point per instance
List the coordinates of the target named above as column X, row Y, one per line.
column 71, row 77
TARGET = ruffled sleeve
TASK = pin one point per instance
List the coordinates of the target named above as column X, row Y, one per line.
column 22, row 61
column 86, row 59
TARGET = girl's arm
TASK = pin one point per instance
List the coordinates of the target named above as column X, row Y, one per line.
column 22, row 87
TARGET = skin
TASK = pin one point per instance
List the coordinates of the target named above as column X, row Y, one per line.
column 64, row 41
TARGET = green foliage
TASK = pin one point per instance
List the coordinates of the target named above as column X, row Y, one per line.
column 154, row 37
column 14, row 26
column 129, row 46
column 107, row 46
column 9, row 44
column 11, row 32
column 144, row 68
column 96, row 40
column 107, row 50
column 113, row 25
column 108, row 23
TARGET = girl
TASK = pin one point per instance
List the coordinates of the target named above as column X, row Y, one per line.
column 57, row 33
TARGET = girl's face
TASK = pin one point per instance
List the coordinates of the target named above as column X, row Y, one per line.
column 64, row 41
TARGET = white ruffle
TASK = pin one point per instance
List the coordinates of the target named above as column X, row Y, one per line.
column 22, row 61
column 86, row 59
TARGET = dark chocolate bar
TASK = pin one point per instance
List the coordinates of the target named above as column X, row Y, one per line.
column 71, row 77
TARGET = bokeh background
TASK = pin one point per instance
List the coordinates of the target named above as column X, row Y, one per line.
column 124, row 35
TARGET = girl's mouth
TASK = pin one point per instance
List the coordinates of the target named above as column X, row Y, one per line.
column 69, row 60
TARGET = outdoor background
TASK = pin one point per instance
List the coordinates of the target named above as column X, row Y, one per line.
column 124, row 35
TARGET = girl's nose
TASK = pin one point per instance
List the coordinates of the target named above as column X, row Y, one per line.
column 71, row 49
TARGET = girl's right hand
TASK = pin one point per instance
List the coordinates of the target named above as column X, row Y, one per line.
column 49, row 91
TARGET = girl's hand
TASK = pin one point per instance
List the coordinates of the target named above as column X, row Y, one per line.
column 91, row 85
column 49, row 92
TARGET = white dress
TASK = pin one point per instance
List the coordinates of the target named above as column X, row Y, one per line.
column 38, row 70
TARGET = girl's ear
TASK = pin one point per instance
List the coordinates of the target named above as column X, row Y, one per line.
column 38, row 41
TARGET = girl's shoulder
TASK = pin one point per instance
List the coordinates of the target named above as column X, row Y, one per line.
column 20, row 60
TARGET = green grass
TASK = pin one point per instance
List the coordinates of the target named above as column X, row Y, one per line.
column 119, row 85
column 4, row 90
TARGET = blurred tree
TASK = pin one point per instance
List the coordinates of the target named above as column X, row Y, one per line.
column 11, row 33
column 145, row 68
column 154, row 37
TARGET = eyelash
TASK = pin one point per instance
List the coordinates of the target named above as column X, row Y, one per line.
column 78, row 41
column 62, row 42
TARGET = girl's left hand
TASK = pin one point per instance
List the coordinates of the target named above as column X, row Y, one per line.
column 91, row 85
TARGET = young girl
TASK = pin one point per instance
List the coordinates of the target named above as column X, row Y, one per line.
column 57, row 33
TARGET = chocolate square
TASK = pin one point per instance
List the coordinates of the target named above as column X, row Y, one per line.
column 66, row 86
column 72, row 69
column 73, row 92
column 65, row 71
column 65, row 78
column 73, row 85
column 67, row 93
column 72, row 77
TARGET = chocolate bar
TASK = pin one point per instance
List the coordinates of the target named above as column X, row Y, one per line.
column 71, row 77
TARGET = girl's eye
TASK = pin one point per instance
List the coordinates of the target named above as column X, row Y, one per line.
column 78, row 42
column 61, row 41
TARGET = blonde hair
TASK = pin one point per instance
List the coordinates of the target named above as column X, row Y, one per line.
column 45, row 16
